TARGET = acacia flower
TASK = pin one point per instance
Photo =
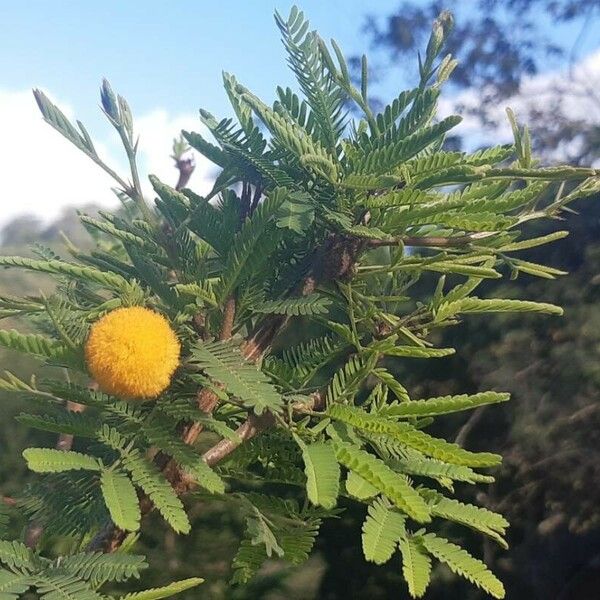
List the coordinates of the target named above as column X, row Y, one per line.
column 132, row 352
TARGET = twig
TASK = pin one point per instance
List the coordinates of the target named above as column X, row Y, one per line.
column 466, row 429
column 186, row 167
column 257, row 196
column 251, row 427
column 65, row 440
column 228, row 319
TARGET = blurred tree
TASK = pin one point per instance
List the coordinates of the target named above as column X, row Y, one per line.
column 550, row 434
column 501, row 45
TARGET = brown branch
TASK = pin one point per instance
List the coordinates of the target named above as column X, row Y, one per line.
column 8, row 500
column 251, row 427
column 186, row 167
column 228, row 319
column 65, row 440
column 470, row 424
column 256, row 199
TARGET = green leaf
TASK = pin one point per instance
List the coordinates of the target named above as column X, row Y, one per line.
column 32, row 343
column 385, row 159
column 296, row 213
column 121, row 500
column 165, row 592
column 381, row 531
column 480, row 519
column 55, row 584
column 66, row 422
column 56, row 118
column 49, row 460
column 324, row 97
column 418, row 352
column 534, row 242
column 260, row 533
column 359, row 487
column 313, row 304
column 12, row 585
column 223, row 362
column 98, row 568
column 392, row 383
column 57, row 267
column 442, row 405
column 463, row 564
column 16, row 555
column 393, row 485
column 411, row 437
column 159, row 434
column 145, row 475
column 416, row 565
column 494, row 305
column 252, row 245
column 414, row 463
column 293, row 137
column 322, row 474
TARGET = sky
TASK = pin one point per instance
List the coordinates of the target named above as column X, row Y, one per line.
column 166, row 58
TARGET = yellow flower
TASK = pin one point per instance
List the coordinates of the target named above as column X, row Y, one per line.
column 132, row 352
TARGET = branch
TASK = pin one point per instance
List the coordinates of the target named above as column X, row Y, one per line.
column 251, row 427
column 469, row 425
column 65, row 440
column 186, row 167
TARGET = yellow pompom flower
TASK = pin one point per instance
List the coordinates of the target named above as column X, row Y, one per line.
column 132, row 352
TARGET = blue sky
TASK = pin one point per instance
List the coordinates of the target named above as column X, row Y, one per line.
column 158, row 53
column 166, row 58
column 170, row 54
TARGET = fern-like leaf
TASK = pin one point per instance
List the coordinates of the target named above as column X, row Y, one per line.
column 412, row 437
column 442, row 405
column 416, row 565
column 165, row 592
column 313, row 304
column 99, row 568
column 32, row 343
column 393, row 485
column 16, row 555
column 493, row 305
column 463, row 564
column 481, row 519
column 322, row 474
column 224, row 363
column 383, row 528
column 57, row 267
column 49, row 460
column 12, row 584
column 121, row 500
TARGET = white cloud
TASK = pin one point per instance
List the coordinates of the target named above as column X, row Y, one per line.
column 577, row 87
column 157, row 130
column 43, row 173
